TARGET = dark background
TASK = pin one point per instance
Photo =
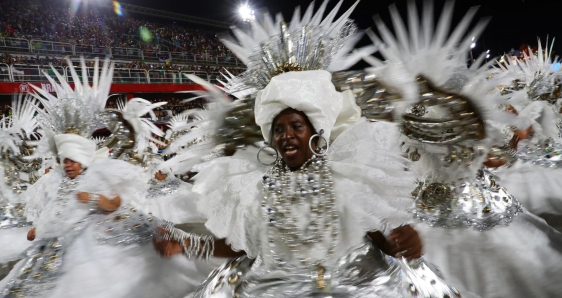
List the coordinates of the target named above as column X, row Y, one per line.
column 514, row 22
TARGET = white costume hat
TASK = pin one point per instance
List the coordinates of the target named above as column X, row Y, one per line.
column 75, row 148
column 310, row 92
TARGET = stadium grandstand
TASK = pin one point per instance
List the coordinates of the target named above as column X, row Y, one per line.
column 152, row 49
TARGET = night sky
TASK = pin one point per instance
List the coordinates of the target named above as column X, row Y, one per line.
column 513, row 22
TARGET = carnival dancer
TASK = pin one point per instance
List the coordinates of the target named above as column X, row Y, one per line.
column 474, row 230
column 534, row 96
column 322, row 219
column 88, row 241
column 168, row 197
column 17, row 174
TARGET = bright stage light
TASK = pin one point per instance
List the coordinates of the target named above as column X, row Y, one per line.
column 473, row 45
column 246, row 13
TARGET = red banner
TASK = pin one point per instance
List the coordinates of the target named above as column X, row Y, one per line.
column 11, row 88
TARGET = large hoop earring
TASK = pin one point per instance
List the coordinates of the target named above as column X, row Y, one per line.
column 266, row 145
column 315, row 152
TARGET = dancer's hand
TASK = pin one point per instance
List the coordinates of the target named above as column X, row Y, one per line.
column 108, row 205
column 104, row 203
column 83, row 197
column 31, row 234
column 405, row 242
column 521, row 135
column 166, row 248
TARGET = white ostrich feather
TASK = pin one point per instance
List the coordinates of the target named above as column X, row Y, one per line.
column 438, row 54
column 536, row 102
column 528, row 68
column 8, row 139
column 23, row 115
column 20, row 125
column 76, row 108
column 312, row 42
column 133, row 111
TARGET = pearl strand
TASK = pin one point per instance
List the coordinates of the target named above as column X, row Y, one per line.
column 313, row 183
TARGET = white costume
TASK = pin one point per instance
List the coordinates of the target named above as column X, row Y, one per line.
column 473, row 229
column 535, row 97
column 80, row 251
column 306, row 229
column 17, row 174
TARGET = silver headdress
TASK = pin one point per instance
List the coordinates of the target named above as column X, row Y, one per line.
column 535, row 91
column 447, row 103
column 20, row 126
column 81, row 111
column 310, row 42
column 535, row 95
column 16, row 131
column 534, row 74
column 77, row 110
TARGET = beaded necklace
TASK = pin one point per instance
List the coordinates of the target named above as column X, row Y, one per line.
column 312, row 184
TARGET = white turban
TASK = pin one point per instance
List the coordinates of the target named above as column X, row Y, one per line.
column 311, row 92
column 76, row 148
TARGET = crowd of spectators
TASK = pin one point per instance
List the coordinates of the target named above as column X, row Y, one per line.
column 169, row 66
column 4, row 110
column 126, row 72
column 54, row 20
column 31, row 60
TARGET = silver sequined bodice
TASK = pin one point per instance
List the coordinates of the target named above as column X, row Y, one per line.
column 546, row 153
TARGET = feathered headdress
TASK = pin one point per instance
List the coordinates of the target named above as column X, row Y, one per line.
column 535, row 91
column 71, row 116
column 308, row 43
column 20, row 125
column 443, row 102
column 16, row 131
column 269, row 50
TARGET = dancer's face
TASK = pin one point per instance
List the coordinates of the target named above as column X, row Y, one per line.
column 72, row 168
column 291, row 132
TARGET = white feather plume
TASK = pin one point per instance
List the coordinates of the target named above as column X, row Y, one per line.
column 133, row 111
column 439, row 54
column 20, row 125
column 79, row 107
column 310, row 42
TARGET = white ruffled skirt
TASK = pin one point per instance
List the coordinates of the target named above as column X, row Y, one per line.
column 94, row 270
column 539, row 189
column 521, row 260
column 13, row 243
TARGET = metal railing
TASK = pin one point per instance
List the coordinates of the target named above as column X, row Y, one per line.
column 5, row 73
column 14, row 44
column 130, row 76
column 183, row 57
column 120, row 75
column 91, row 51
column 42, row 47
column 127, row 53
column 163, row 76
column 50, row 47
column 203, row 75
column 32, row 73
column 35, row 73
